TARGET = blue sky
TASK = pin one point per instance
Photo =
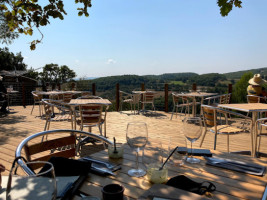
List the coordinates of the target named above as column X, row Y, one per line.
column 152, row 37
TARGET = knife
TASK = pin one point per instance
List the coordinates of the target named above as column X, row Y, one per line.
column 101, row 170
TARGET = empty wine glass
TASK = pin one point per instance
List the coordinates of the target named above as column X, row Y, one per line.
column 136, row 136
column 41, row 186
column 192, row 128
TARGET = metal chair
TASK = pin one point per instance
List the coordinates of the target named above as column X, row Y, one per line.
column 233, row 123
column 181, row 102
column 148, row 98
column 261, row 127
column 218, row 99
column 64, row 141
column 37, row 99
column 67, row 97
column 50, row 116
column 92, row 115
column 255, row 99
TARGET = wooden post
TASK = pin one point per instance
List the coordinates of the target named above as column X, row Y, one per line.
column 230, row 90
column 117, row 97
column 142, row 95
column 142, row 87
column 59, row 87
column 166, row 97
column 194, row 87
column 93, row 89
column 23, row 95
column 72, row 86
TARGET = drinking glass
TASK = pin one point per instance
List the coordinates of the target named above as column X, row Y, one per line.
column 41, row 186
column 153, row 159
column 178, row 158
column 136, row 136
column 192, row 128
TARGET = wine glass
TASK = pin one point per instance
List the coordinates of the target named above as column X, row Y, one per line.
column 136, row 136
column 41, row 185
column 192, row 128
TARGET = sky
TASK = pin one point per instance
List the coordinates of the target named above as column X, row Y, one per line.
column 152, row 37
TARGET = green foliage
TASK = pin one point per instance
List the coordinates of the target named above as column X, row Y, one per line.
column 10, row 62
column 6, row 36
column 207, row 79
column 23, row 15
column 239, row 94
column 227, row 5
column 238, row 74
column 54, row 74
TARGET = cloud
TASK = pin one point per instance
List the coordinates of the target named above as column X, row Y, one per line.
column 111, row 61
column 77, row 61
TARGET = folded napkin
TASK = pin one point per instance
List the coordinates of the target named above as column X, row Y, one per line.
column 238, row 166
column 68, row 167
column 184, row 183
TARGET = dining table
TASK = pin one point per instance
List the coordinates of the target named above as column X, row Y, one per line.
column 229, row 184
column 77, row 102
column 194, row 96
column 10, row 94
column 255, row 109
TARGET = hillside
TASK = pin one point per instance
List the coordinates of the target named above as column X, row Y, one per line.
column 238, row 74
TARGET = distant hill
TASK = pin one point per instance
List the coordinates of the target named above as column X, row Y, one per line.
column 238, row 74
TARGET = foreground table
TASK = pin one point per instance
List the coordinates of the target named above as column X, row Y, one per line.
column 230, row 185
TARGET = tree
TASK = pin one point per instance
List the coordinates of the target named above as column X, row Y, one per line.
column 6, row 36
column 227, row 5
column 24, row 15
column 10, row 62
column 54, row 74
column 239, row 94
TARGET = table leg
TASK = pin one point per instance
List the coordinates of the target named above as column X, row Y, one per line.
column 254, row 134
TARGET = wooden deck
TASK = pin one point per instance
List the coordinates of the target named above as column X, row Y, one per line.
column 20, row 123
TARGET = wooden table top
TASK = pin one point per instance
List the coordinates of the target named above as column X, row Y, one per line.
column 246, row 107
column 230, row 185
column 89, row 101
column 197, row 94
column 57, row 92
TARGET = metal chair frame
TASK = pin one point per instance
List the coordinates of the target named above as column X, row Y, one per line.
column 25, row 142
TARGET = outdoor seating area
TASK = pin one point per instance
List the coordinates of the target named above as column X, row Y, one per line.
column 68, row 124
column 22, row 124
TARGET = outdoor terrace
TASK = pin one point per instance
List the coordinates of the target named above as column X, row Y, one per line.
column 20, row 123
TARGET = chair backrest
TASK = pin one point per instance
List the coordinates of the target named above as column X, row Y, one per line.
column 209, row 115
column 42, row 150
column 225, row 98
column 37, row 97
column 90, row 113
column 175, row 98
column 149, row 96
column 86, row 93
column 67, row 97
column 253, row 99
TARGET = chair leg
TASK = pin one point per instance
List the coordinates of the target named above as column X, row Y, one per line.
column 202, row 140
column 33, row 107
column 215, row 141
column 172, row 112
column 228, row 143
column 259, row 143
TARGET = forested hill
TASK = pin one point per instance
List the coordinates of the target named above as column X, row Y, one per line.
column 238, row 74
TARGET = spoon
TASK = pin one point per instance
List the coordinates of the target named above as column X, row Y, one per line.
column 115, row 148
column 168, row 158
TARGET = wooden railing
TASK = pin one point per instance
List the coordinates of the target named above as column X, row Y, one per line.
column 142, row 87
